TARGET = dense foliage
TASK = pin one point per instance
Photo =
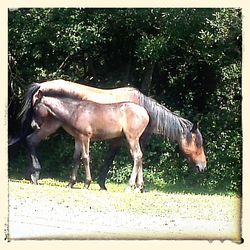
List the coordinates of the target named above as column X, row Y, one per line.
column 187, row 59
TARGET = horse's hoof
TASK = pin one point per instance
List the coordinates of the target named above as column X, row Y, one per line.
column 33, row 180
column 144, row 190
column 86, row 186
column 138, row 190
column 103, row 189
column 70, row 185
column 27, row 178
column 128, row 190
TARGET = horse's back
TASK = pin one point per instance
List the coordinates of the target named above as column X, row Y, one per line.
column 85, row 92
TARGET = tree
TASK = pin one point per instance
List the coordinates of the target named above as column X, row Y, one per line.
column 188, row 59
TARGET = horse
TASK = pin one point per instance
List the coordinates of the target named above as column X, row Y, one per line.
column 162, row 122
column 89, row 121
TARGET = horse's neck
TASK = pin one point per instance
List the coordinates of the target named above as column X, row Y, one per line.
column 57, row 107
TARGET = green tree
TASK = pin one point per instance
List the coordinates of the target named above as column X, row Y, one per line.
column 188, row 59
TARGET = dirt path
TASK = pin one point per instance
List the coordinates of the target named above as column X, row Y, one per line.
column 41, row 212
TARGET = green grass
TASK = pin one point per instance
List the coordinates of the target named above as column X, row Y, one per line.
column 221, row 214
column 174, row 204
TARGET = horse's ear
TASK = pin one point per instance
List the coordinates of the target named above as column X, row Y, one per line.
column 195, row 127
column 39, row 95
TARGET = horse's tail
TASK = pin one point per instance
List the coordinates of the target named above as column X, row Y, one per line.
column 26, row 114
column 163, row 121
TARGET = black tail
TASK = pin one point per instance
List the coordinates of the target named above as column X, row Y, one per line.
column 26, row 114
column 13, row 140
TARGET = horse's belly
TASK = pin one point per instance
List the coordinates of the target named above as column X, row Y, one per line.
column 106, row 134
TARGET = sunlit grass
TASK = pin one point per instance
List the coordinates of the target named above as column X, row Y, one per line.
column 182, row 205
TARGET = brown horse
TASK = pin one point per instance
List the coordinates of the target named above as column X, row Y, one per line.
column 162, row 122
column 87, row 121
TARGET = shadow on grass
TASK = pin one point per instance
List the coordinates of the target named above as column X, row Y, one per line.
column 181, row 188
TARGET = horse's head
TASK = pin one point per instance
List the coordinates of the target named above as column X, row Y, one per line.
column 40, row 111
column 192, row 147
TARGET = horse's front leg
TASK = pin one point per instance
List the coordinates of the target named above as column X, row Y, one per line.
column 85, row 157
column 114, row 147
column 136, row 153
column 33, row 140
column 139, row 179
column 143, row 141
column 76, row 163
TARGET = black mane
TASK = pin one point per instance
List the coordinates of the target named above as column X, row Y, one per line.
column 169, row 124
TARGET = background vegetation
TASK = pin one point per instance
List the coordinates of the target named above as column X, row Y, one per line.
column 187, row 59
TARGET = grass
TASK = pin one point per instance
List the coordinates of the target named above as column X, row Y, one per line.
column 183, row 214
column 175, row 204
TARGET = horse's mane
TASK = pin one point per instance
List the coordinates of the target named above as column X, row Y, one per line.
column 167, row 123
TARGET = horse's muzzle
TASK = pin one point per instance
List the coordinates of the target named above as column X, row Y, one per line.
column 200, row 167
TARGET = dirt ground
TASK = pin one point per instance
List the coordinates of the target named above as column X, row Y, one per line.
column 49, row 212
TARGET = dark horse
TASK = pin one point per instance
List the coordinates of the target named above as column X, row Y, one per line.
column 162, row 121
column 86, row 121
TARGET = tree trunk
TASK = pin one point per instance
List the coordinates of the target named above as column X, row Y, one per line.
column 147, row 77
column 91, row 68
column 127, row 77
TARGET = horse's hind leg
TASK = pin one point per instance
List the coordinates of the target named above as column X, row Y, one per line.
column 76, row 163
column 33, row 140
column 136, row 153
column 34, row 166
